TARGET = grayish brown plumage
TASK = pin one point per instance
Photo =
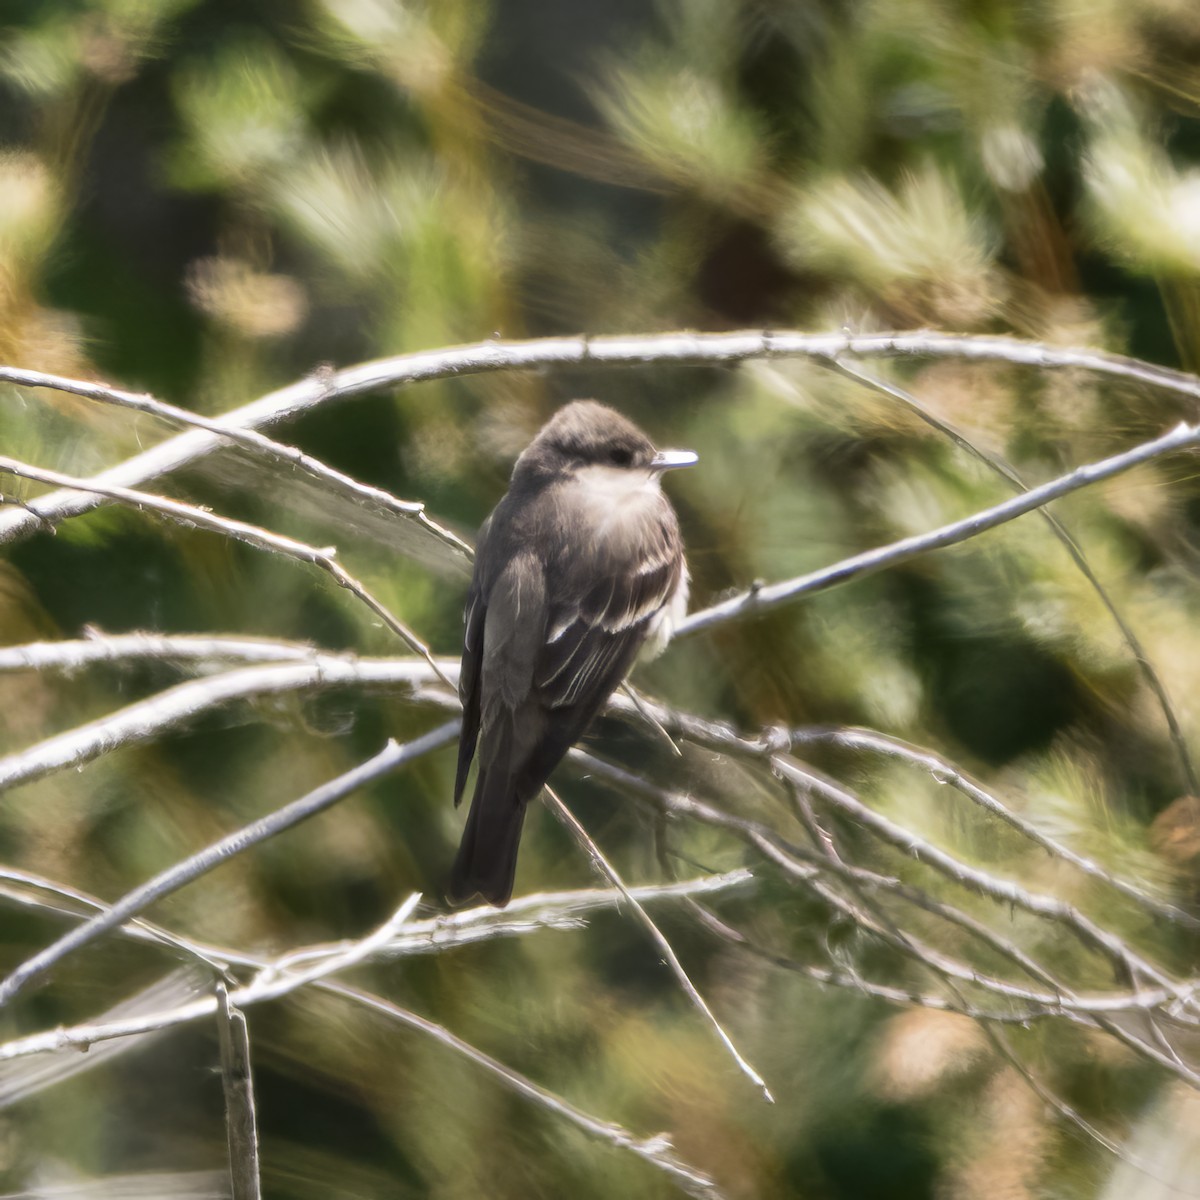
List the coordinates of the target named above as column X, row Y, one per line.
column 579, row 567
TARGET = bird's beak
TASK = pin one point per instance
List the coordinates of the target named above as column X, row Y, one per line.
column 668, row 460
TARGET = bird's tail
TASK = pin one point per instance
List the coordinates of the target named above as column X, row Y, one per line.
column 487, row 857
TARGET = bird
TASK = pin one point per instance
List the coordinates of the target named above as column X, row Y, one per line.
column 579, row 568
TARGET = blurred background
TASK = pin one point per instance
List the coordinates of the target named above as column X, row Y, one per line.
column 208, row 199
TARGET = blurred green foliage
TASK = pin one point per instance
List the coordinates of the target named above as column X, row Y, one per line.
column 209, row 199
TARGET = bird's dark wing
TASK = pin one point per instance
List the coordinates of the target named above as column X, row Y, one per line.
column 474, row 617
column 585, row 641
column 504, row 715
column 590, row 648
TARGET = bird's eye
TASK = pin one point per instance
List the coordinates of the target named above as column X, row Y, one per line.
column 620, row 457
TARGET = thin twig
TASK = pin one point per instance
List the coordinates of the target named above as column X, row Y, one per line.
column 251, row 439
column 1005, row 891
column 146, row 719
column 762, row 599
column 654, row 1150
column 1006, row 472
column 189, row 515
column 946, row 772
column 121, row 649
column 1072, row 1115
column 23, row 1078
column 1159, row 1050
column 281, row 977
column 677, row 348
column 609, row 872
column 770, row 747
column 753, row 601
column 523, row 915
column 790, row 859
column 636, row 698
column 173, row 878
column 241, row 1115
column 30, row 892
column 290, row 676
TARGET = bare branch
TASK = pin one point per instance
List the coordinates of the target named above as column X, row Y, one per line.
column 30, row 891
column 182, row 700
column 25, row 1077
column 189, row 515
column 655, row 1150
column 273, row 979
column 281, row 977
column 770, row 747
column 1008, row 892
column 679, row 348
column 946, row 772
column 124, row 648
column 609, row 872
column 173, row 878
column 146, row 719
column 999, row 1039
column 237, row 1081
column 805, row 871
column 524, row 914
column 763, row 599
column 1006, row 472
column 333, row 480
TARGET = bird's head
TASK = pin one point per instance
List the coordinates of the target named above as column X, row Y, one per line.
column 587, row 434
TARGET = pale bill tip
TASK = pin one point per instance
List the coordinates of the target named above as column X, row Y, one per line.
column 666, row 460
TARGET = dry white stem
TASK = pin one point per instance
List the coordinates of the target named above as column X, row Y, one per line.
column 946, row 772
column 241, row 1114
column 565, row 910
column 1157, row 1048
column 138, row 1185
column 189, row 515
column 829, row 877
column 187, row 699
column 655, row 1150
column 1006, row 472
column 280, row 978
column 274, row 980
column 683, row 348
column 999, row 1039
column 770, row 844
column 173, row 878
column 529, row 913
column 609, row 872
column 25, row 1077
column 542, row 909
column 636, row 697
column 335, row 481
column 1006, row 891
column 769, row 748
column 193, row 697
column 28, row 890
column 524, row 914
column 147, row 719
column 763, row 599
column 120, row 649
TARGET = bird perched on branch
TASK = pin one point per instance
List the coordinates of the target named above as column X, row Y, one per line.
column 578, row 569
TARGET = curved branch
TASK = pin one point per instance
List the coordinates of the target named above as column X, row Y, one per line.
column 715, row 349
column 173, row 878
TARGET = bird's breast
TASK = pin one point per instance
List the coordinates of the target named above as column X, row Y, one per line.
column 615, row 505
